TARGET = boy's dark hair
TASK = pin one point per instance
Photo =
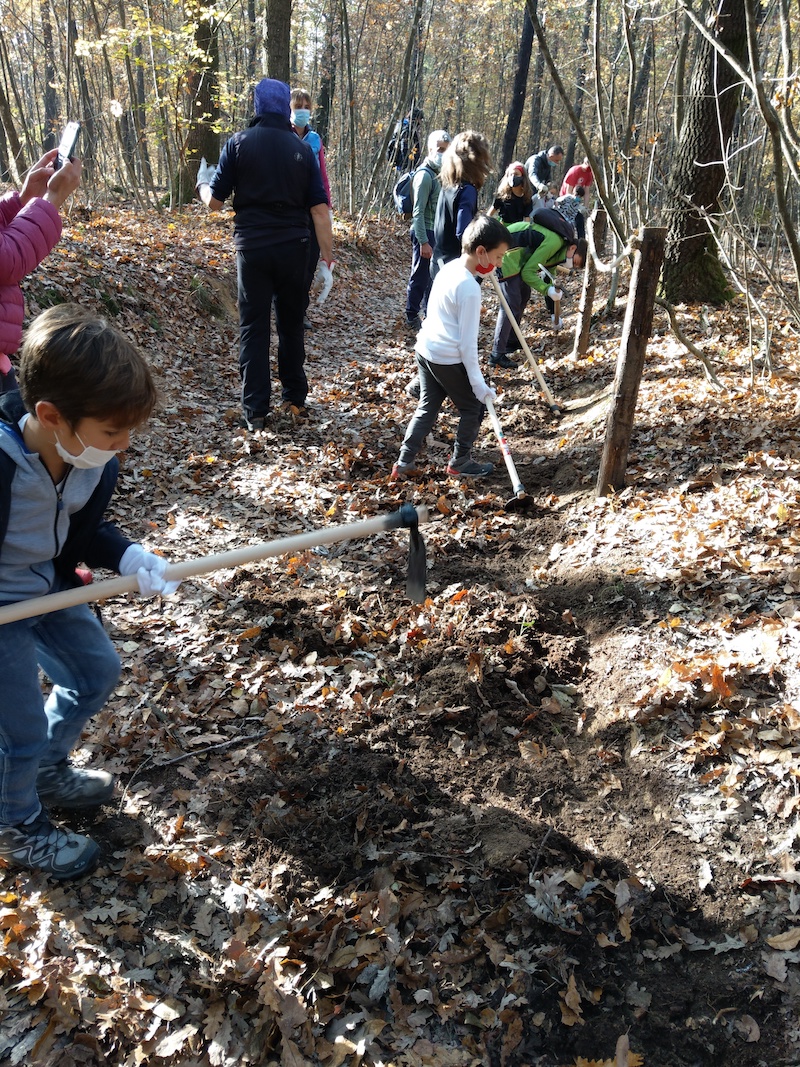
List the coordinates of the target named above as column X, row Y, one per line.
column 85, row 367
column 579, row 190
column 582, row 249
column 486, row 231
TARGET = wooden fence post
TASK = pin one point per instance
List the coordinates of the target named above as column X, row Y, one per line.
column 630, row 362
column 598, row 221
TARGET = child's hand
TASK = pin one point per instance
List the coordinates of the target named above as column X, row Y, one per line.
column 36, row 179
column 149, row 570
column 63, row 182
column 486, row 393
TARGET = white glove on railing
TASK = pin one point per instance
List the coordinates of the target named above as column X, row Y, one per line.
column 149, row 570
column 486, row 393
column 324, row 275
column 554, row 294
column 206, row 173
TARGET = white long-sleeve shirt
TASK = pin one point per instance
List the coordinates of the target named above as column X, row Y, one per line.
column 449, row 334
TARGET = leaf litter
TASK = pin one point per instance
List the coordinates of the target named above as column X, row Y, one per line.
column 548, row 817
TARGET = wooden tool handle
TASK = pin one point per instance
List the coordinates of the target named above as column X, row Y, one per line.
column 177, row 572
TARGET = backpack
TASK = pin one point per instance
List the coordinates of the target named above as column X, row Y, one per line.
column 550, row 219
column 403, row 192
column 404, row 149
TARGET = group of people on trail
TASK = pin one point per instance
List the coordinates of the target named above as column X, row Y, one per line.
column 79, row 388
column 525, row 235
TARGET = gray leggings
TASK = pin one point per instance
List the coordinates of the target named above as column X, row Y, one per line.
column 437, row 383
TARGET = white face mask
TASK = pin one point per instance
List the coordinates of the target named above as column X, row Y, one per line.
column 88, row 458
column 568, row 262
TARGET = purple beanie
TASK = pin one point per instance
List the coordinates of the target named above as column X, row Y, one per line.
column 272, row 96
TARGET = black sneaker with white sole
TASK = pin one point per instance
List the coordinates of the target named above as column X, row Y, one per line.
column 60, row 785
column 39, row 846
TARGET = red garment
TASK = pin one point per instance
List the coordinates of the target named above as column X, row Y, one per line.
column 27, row 235
column 575, row 176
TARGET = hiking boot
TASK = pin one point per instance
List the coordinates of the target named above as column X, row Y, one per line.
column 60, row 785
column 413, row 389
column 468, row 468
column 502, row 361
column 400, row 471
column 40, row 846
column 254, row 423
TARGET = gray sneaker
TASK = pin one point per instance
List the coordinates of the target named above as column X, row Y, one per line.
column 40, row 846
column 60, row 785
column 413, row 389
column 468, row 468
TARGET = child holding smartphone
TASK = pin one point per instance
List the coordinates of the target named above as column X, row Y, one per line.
column 30, row 227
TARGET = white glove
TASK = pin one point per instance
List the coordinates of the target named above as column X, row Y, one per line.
column 206, row 173
column 554, row 294
column 149, row 570
column 557, row 323
column 486, row 393
column 324, row 275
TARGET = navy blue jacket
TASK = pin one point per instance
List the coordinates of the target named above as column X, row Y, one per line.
column 275, row 181
column 92, row 539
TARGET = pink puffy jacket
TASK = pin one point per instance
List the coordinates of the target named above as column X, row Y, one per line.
column 27, row 235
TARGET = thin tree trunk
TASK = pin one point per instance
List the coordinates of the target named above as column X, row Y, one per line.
column 50, row 101
column 517, row 93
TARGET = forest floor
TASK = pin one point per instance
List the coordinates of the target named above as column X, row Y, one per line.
column 553, row 807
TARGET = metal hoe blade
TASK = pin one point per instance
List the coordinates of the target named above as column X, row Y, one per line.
column 417, row 566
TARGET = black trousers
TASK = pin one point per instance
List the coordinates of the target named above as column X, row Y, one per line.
column 273, row 270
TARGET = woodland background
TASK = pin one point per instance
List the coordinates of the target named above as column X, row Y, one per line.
column 687, row 113
column 555, row 806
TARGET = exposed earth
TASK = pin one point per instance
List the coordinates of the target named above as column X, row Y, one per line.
column 555, row 804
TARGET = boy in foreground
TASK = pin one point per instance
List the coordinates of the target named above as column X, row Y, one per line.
column 82, row 388
column 447, row 351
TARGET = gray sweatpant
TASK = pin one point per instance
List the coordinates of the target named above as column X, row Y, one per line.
column 437, row 383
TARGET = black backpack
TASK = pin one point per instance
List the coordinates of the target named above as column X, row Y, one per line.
column 550, row 219
column 403, row 192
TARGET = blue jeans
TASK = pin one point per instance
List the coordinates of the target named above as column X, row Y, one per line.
column 419, row 281
column 277, row 270
column 74, row 651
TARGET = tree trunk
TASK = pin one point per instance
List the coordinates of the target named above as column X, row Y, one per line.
column 202, row 136
column 51, row 133
column 630, row 362
column 517, row 93
column 536, row 102
column 580, row 87
column 278, row 27
column 327, row 83
column 16, row 158
column 692, row 270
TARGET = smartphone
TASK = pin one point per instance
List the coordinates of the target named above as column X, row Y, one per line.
column 66, row 147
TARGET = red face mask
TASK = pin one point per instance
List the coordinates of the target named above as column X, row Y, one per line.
column 484, row 270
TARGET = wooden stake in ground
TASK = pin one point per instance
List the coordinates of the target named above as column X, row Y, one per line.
column 598, row 222
column 630, row 362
